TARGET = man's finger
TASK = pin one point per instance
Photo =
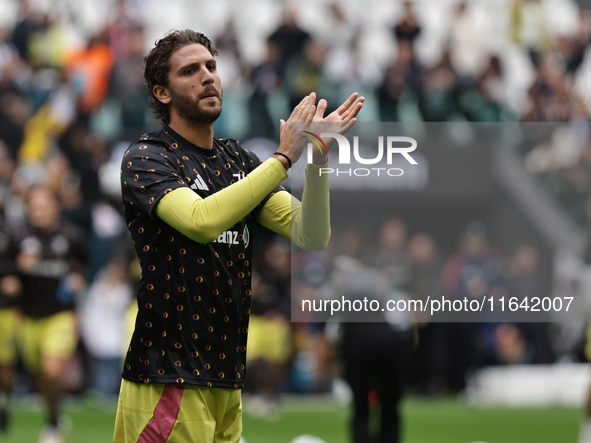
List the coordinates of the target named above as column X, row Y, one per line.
column 297, row 110
column 307, row 109
column 348, row 113
column 303, row 109
column 347, row 104
column 311, row 113
column 320, row 110
column 353, row 112
column 348, row 126
column 310, row 104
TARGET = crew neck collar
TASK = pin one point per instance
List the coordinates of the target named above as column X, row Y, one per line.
column 186, row 143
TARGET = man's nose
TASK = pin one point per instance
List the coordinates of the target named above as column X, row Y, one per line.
column 207, row 76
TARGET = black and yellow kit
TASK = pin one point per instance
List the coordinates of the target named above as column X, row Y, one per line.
column 194, row 293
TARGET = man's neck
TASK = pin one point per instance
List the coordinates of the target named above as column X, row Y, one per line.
column 200, row 134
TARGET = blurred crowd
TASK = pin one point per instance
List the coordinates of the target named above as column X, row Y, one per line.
column 415, row 268
column 70, row 103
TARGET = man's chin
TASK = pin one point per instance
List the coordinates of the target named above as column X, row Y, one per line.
column 211, row 115
column 205, row 115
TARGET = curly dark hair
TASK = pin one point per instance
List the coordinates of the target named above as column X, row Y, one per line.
column 157, row 65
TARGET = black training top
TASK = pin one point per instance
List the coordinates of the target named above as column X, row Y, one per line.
column 193, row 298
column 7, row 261
column 59, row 252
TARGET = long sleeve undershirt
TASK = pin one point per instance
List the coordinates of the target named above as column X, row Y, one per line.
column 306, row 223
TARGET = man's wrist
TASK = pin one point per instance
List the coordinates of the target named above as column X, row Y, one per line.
column 282, row 160
column 320, row 159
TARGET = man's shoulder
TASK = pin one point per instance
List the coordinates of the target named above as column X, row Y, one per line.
column 233, row 147
column 159, row 138
column 228, row 143
column 156, row 143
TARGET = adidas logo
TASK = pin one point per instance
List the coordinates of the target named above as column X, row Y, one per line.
column 199, row 184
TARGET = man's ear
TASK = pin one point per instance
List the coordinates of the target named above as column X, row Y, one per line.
column 161, row 93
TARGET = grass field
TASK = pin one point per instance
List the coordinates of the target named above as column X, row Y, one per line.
column 426, row 421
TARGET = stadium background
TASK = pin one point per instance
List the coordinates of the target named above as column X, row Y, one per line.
column 72, row 98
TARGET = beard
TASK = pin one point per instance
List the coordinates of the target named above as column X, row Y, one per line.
column 192, row 110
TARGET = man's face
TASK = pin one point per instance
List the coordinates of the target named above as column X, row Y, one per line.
column 42, row 208
column 194, row 84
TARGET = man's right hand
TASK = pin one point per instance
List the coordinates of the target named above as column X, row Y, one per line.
column 299, row 120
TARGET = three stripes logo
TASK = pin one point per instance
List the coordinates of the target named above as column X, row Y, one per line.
column 199, row 184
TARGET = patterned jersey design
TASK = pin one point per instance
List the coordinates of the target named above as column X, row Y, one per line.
column 193, row 298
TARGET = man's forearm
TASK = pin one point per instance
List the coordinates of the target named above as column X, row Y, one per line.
column 202, row 220
column 312, row 223
column 306, row 223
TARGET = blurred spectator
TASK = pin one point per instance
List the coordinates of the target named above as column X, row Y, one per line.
column 269, row 350
column 352, row 69
column 86, row 153
column 51, row 119
column 392, row 257
column 275, row 270
column 89, row 70
column 484, row 104
column 530, row 27
column 266, row 81
column 7, row 168
column 29, row 21
column 473, row 273
column 14, row 113
column 289, row 38
column 128, row 18
column 408, row 27
column 102, row 325
column 524, row 281
column 402, row 77
column 468, row 52
column 306, row 74
column 337, row 31
column 439, row 91
column 127, row 81
column 430, row 360
column 375, row 348
column 376, row 360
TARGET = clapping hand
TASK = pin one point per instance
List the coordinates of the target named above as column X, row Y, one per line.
column 306, row 116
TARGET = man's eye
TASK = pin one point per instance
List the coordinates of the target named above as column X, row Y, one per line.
column 211, row 67
column 189, row 71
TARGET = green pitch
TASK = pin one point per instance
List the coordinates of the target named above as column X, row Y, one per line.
column 426, row 421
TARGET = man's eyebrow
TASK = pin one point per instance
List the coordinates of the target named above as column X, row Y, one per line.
column 196, row 63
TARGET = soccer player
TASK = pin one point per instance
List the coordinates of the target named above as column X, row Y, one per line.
column 50, row 261
column 190, row 202
column 10, row 287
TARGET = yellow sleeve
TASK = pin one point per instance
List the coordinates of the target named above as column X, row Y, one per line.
column 306, row 223
column 204, row 219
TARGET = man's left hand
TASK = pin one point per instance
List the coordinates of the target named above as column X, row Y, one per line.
column 340, row 121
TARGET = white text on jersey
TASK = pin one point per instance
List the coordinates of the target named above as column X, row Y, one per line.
column 230, row 237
